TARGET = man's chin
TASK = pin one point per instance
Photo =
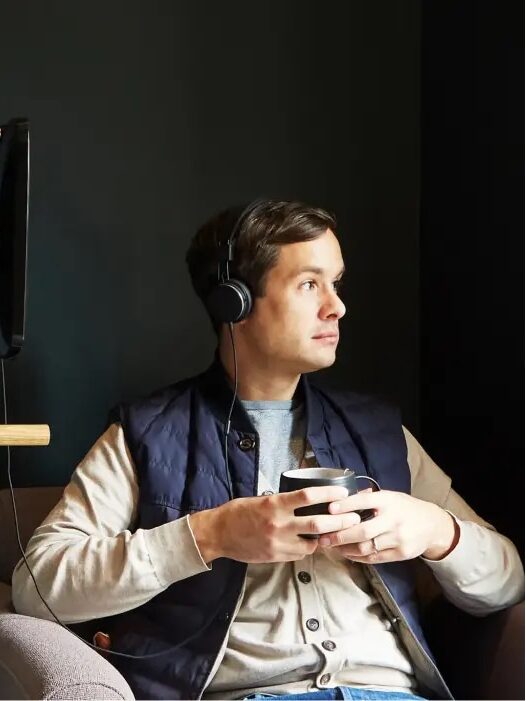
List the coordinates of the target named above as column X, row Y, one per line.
column 319, row 361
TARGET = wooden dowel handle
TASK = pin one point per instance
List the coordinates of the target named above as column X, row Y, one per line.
column 24, row 434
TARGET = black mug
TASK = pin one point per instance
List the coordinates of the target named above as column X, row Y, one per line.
column 292, row 480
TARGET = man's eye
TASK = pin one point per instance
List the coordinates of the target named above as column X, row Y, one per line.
column 312, row 284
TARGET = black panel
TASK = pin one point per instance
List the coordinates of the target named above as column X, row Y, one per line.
column 472, row 262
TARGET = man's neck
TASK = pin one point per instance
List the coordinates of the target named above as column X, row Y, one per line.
column 255, row 383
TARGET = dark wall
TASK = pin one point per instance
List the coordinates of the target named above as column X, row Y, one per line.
column 472, row 264
column 149, row 116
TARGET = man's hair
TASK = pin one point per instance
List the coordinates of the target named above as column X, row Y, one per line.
column 269, row 225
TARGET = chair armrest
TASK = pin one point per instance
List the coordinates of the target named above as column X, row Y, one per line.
column 41, row 660
column 480, row 658
column 5, row 599
column 505, row 643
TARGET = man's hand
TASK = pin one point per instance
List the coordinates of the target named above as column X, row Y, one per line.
column 265, row 529
column 403, row 528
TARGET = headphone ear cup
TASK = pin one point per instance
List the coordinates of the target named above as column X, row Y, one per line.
column 229, row 302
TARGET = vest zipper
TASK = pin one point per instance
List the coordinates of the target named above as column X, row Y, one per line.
column 215, row 666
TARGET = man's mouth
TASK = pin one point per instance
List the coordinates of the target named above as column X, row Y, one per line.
column 329, row 337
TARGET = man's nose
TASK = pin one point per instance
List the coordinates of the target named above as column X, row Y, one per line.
column 334, row 306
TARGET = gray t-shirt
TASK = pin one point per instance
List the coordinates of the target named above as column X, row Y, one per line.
column 281, row 427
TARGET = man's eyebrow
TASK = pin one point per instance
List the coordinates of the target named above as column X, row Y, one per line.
column 315, row 270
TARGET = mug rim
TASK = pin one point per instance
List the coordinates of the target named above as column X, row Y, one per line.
column 309, row 473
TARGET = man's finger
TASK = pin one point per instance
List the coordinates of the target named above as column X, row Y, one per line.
column 362, row 533
column 361, row 500
column 313, row 495
column 389, row 555
column 324, row 523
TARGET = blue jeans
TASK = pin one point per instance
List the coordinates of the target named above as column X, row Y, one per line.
column 341, row 693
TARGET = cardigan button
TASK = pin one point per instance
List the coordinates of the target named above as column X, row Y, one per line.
column 246, row 443
column 312, row 624
column 329, row 645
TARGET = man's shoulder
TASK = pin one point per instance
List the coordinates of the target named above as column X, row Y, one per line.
column 353, row 399
column 155, row 402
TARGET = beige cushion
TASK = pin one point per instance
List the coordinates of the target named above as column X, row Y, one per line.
column 41, row 660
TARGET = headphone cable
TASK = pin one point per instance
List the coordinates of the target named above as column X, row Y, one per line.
column 227, row 425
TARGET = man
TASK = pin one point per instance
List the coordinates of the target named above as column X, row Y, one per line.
column 172, row 531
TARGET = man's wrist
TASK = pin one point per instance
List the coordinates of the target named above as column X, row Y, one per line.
column 445, row 537
column 204, row 527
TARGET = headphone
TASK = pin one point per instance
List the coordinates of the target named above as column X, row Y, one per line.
column 230, row 300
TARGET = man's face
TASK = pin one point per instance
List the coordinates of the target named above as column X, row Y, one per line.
column 300, row 305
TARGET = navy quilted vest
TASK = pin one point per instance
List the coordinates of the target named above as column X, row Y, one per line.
column 175, row 437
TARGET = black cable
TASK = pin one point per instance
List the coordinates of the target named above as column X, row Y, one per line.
column 227, row 425
column 92, row 645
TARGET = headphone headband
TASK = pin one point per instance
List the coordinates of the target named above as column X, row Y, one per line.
column 226, row 247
